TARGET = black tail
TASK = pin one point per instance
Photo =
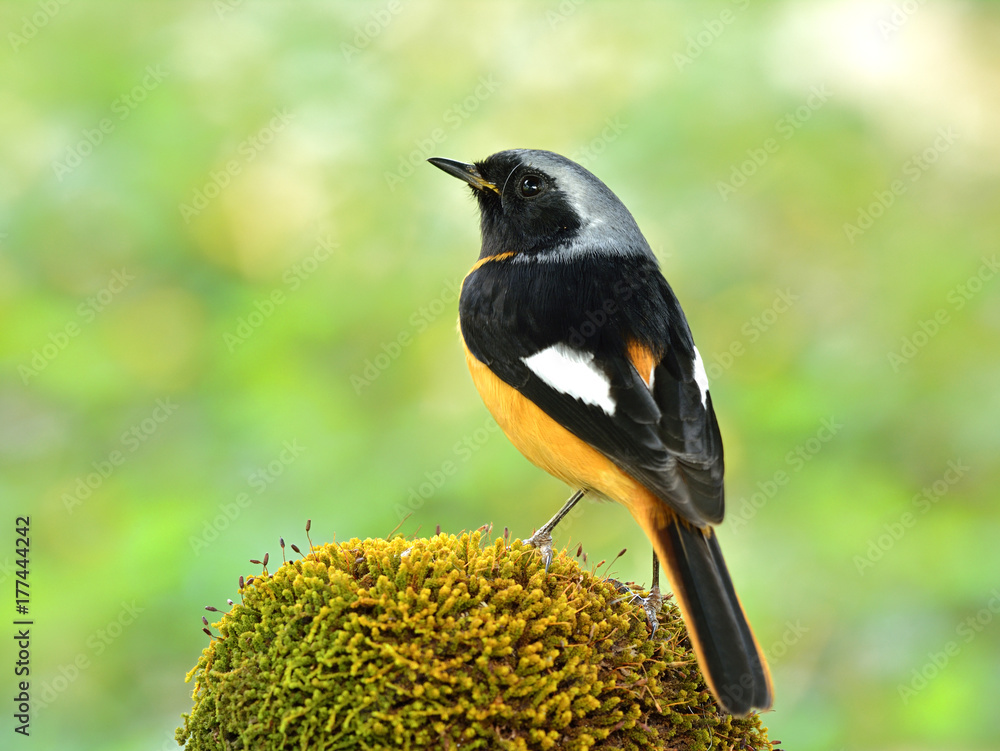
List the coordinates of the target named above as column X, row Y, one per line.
column 727, row 651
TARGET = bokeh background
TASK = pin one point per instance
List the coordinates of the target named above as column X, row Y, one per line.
column 228, row 290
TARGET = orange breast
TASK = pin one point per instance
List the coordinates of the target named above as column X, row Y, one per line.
column 548, row 445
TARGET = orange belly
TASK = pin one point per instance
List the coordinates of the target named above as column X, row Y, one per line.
column 548, row 445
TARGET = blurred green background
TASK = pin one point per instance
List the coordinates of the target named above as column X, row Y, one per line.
column 228, row 294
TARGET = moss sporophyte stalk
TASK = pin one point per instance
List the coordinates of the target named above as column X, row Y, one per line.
column 446, row 643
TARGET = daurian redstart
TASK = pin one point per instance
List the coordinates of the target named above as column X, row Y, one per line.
column 583, row 355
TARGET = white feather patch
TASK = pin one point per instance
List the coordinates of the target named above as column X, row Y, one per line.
column 573, row 372
column 700, row 376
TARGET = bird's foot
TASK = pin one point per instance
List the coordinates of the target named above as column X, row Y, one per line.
column 650, row 603
column 542, row 540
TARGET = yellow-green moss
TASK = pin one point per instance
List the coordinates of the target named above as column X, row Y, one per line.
column 442, row 644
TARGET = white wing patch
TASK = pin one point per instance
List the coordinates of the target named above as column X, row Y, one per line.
column 573, row 372
column 700, row 376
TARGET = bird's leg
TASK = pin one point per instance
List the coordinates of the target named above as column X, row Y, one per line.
column 651, row 603
column 542, row 539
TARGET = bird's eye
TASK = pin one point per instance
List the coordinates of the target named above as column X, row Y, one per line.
column 531, row 185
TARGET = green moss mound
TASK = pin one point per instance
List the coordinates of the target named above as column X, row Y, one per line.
column 448, row 643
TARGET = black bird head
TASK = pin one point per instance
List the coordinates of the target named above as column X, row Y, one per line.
column 537, row 202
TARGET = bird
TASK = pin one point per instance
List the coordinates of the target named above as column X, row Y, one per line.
column 580, row 350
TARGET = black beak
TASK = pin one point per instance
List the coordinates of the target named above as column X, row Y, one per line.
column 463, row 171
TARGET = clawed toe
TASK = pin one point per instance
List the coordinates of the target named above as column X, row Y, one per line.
column 650, row 603
column 543, row 542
